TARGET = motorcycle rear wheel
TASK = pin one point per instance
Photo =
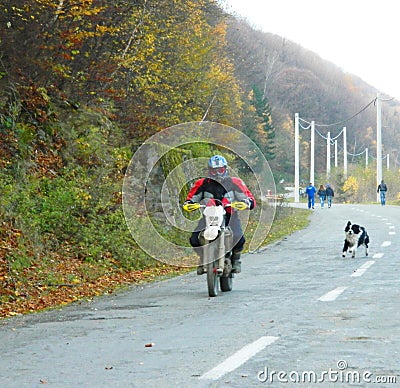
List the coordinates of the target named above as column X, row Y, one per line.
column 226, row 283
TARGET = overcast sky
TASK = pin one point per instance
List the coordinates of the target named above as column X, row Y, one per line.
column 362, row 37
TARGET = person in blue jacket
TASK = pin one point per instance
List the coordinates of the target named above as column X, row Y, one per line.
column 310, row 191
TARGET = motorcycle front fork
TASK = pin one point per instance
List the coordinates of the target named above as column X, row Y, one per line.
column 221, row 255
column 209, row 252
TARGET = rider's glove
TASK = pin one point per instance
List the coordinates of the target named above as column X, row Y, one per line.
column 190, row 206
column 248, row 202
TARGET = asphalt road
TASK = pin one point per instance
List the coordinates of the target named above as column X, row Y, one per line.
column 299, row 315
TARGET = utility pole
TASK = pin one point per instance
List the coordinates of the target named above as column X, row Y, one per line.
column 378, row 143
column 312, row 150
column 328, row 156
column 366, row 157
column 296, row 159
column 387, row 161
column 345, row 152
column 336, row 163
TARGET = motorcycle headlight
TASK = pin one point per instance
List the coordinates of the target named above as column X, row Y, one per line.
column 211, row 233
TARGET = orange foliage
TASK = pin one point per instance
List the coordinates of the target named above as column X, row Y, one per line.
column 76, row 280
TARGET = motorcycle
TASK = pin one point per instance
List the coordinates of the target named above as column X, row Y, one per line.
column 217, row 243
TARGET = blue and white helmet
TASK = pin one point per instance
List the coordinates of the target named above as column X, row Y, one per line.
column 217, row 166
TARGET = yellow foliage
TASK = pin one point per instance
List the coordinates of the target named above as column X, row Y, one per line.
column 351, row 184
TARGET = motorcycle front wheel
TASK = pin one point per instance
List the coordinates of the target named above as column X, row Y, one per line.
column 212, row 279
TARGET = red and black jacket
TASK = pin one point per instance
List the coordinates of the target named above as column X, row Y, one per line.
column 228, row 190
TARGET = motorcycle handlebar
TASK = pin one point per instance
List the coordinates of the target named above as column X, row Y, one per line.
column 238, row 205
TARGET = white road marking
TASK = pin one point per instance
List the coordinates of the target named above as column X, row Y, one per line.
column 360, row 271
column 384, row 219
column 378, row 255
column 238, row 358
column 385, row 244
column 392, row 233
column 332, row 295
column 391, row 227
column 388, row 223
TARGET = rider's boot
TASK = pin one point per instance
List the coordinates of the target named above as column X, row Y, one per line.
column 236, row 263
column 200, row 269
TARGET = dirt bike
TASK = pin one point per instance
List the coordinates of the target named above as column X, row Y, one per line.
column 217, row 243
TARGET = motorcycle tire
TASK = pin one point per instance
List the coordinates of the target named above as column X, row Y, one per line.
column 212, row 279
column 226, row 283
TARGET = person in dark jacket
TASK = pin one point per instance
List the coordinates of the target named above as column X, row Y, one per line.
column 322, row 195
column 382, row 188
column 329, row 195
column 218, row 185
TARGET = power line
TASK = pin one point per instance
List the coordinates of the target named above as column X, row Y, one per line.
column 309, row 124
column 360, row 153
column 337, row 136
column 348, row 119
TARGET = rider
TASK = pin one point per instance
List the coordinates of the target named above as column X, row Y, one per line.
column 219, row 185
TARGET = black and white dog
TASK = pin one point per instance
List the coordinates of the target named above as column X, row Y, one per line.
column 356, row 236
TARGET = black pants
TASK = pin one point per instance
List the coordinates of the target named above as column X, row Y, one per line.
column 233, row 221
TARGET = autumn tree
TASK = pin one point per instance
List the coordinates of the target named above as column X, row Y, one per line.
column 176, row 69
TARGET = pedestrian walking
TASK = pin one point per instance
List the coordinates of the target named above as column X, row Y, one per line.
column 329, row 195
column 322, row 195
column 310, row 191
column 382, row 188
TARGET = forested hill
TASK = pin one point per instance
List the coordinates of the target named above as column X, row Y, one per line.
column 84, row 83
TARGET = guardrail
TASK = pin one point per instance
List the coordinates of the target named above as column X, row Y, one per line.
column 277, row 198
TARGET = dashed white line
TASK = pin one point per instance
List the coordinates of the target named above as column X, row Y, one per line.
column 378, row 255
column 386, row 243
column 392, row 233
column 360, row 271
column 391, row 227
column 238, row 358
column 332, row 295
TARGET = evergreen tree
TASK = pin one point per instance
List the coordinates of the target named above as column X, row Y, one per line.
column 257, row 125
column 267, row 131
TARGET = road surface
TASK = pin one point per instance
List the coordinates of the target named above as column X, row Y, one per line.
column 299, row 315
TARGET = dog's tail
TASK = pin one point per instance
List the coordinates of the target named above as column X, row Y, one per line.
column 365, row 236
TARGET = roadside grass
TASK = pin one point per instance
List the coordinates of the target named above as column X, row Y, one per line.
column 290, row 220
column 60, row 280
